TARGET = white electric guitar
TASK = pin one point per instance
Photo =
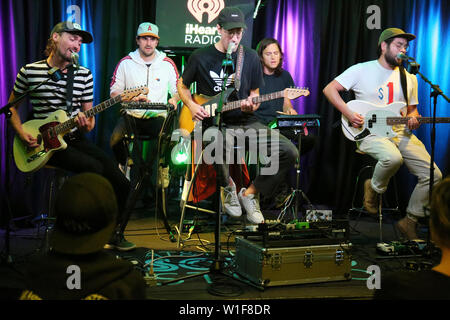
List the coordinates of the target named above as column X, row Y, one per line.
column 49, row 133
column 378, row 120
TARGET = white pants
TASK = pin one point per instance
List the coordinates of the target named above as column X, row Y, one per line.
column 391, row 154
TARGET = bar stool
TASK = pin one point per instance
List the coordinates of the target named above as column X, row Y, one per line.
column 365, row 172
column 46, row 220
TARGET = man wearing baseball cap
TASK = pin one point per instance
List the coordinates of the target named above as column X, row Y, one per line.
column 86, row 212
column 145, row 66
column 206, row 68
column 81, row 155
column 382, row 82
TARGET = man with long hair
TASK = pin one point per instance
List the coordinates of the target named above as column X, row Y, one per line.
column 81, row 155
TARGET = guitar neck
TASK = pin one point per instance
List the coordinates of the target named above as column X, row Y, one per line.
column 145, row 105
column 266, row 97
column 404, row 120
column 71, row 123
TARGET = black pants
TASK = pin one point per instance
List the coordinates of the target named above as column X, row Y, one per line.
column 147, row 127
column 276, row 153
column 82, row 155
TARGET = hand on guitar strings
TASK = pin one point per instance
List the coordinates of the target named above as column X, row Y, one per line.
column 29, row 140
column 198, row 112
column 356, row 120
column 84, row 123
column 248, row 105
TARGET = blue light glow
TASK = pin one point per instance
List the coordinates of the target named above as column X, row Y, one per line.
column 431, row 50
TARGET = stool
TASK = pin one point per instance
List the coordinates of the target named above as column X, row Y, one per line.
column 365, row 173
column 145, row 167
column 49, row 218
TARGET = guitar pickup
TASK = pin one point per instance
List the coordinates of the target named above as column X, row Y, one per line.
column 36, row 155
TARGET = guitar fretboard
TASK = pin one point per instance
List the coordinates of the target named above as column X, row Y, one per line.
column 146, row 105
column 266, row 97
column 404, row 120
column 70, row 124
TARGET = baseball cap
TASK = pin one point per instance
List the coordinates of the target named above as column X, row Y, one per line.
column 231, row 18
column 395, row 32
column 72, row 27
column 86, row 212
column 147, row 29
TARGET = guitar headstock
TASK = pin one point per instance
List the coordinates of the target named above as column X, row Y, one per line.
column 293, row 93
column 129, row 94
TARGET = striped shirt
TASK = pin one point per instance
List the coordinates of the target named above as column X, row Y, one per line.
column 51, row 96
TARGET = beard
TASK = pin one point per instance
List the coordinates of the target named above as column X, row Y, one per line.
column 391, row 59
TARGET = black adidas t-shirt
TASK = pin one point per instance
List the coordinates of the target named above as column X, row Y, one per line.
column 205, row 68
column 267, row 111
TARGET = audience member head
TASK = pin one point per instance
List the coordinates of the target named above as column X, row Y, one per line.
column 86, row 212
column 440, row 213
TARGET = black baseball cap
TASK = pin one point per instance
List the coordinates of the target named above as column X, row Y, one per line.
column 86, row 212
column 231, row 18
column 72, row 27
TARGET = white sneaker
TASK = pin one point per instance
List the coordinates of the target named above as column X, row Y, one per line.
column 251, row 206
column 230, row 202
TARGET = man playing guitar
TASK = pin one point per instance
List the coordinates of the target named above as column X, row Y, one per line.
column 384, row 81
column 80, row 155
column 205, row 67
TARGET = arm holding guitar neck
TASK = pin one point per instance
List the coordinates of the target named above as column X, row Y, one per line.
column 251, row 104
column 84, row 123
column 413, row 114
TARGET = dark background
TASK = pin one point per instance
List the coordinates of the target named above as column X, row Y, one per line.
column 336, row 38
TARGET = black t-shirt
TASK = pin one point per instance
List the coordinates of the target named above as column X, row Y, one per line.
column 205, row 68
column 267, row 111
column 423, row 285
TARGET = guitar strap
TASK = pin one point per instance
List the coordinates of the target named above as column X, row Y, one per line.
column 404, row 83
column 239, row 64
column 69, row 89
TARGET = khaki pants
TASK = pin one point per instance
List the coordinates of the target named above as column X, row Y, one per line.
column 391, row 154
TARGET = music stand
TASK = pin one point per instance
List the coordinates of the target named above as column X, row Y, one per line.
column 299, row 131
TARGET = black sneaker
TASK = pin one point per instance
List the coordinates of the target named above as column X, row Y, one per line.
column 120, row 243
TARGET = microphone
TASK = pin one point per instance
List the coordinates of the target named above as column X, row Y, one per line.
column 230, row 49
column 404, row 56
column 55, row 74
column 75, row 63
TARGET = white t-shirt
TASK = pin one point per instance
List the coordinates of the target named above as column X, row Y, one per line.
column 371, row 82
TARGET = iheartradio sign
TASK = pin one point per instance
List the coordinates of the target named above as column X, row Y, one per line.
column 192, row 23
column 199, row 7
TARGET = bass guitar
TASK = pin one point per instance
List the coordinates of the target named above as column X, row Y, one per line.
column 211, row 104
column 378, row 120
column 49, row 133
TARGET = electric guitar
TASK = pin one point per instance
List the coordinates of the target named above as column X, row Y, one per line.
column 378, row 120
column 211, row 104
column 49, row 133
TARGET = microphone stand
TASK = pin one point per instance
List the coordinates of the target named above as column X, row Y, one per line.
column 414, row 69
column 217, row 265
column 54, row 75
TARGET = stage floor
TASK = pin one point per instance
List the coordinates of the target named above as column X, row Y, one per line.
column 194, row 256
